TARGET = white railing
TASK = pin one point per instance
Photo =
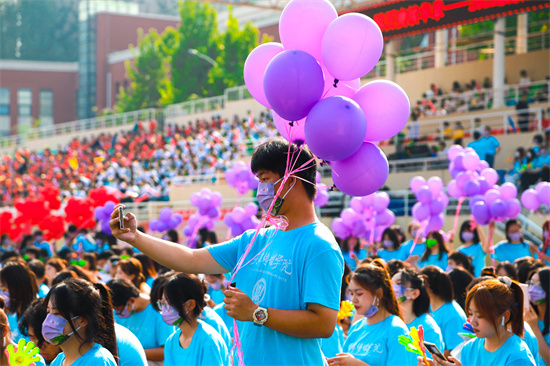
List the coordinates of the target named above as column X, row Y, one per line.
column 196, row 106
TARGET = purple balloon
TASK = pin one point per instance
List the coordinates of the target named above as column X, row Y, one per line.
column 340, row 229
column 483, row 165
column 544, row 194
column 386, row 218
column 436, row 207
column 459, row 161
column 513, row 208
column 491, row 196
column 424, row 195
column 383, row 120
column 238, row 214
column 349, row 216
column 540, row 185
column 436, row 185
column 296, row 132
column 356, row 178
column 417, row 183
column 381, row 201
column 322, row 197
column 303, row 23
column 508, row 191
column 165, row 214
column 193, row 220
column 187, row 231
column 420, row 212
column 213, row 212
column 293, row 84
column 175, row 220
column 483, row 185
column 228, row 219
column 461, row 180
column 335, row 128
column 356, row 204
column 490, row 175
column 251, row 209
column 195, row 199
column 109, row 207
column 153, row 224
column 530, row 199
column 475, row 199
column 453, row 190
column 162, row 226
column 254, row 69
column 106, row 228
column 99, row 213
column 471, row 188
column 236, row 230
column 481, row 213
column 443, row 198
column 498, row 208
column 471, row 160
column 230, row 178
column 358, row 229
column 454, row 151
column 348, row 58
column 435, row 223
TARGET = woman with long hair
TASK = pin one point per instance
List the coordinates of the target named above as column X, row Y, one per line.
column 373, row 339
column 474, row 244
column 80, row 321
column 515, row 246
column 53, row 267
column 538, row 316
column 352, row 251
column 130, row 269
column 147, row 268
column 194, row 342
column 391, row 246
column 436, row 253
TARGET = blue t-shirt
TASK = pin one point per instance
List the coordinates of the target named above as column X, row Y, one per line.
column 505, row 251
column 130, row 351
column 216, row 295
column 210, row 317
column 450, row 317
column 514, row 352
column 418, row 250
column 432, row 332
column 378, row 345
column 207, row 348
column 531, row 341
column 97, row 356
column 13, row 322
column 149, row 281
column 540, row 361
column 333, row 345
column 491, row 144
column 352, row 264
column 475, row 251
column 148, row 327
column 297, row 267
column 480, row 148
column 227, row 320
column 43, row 290
column 434, row 260
column 402, row 254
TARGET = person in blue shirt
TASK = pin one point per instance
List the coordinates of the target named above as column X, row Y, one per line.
column 474, row 244
column 287, row 292
column 491, row 146
column 194, row 343
column 130, row 351
column 373, row 340
column 6, row 340
column 391, row 247
column 80, row 321
column 415, row 253
column 352, row 251
column 539, row 320
column 495, row 311
column 216, row 287
column 414, row 304
column 478, row 145
column 515, row 246
column 544, row 253
column 18, row 289
column 147, row 268
column 333, row 346
column 436, row 253
column 130, row 269
column 210, row 317
column 445, row 311
column 134, row 311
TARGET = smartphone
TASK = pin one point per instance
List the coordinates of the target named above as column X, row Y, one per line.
column 120, row 217
column 525, row 289
column 434, row 350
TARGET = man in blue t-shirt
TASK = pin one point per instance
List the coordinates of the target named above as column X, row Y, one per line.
column 287, row 293
column 491, row 146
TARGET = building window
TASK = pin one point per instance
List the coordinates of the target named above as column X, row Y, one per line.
column 5, row 124
column 46, row 107
column 24, row 107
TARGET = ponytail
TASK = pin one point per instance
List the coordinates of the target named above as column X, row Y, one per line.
column 516, row 313
column 106, row 335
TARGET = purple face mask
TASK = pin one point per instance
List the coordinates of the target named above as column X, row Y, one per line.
column 373, row 308
column 467, row 236
column 125, row 313
column 52, row 329
column 170, row 315
column 388, row 243
column 515, row 236
column 216, row 286
column 536, row 294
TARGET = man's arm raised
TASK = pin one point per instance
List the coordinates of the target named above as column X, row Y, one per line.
column 171, row 255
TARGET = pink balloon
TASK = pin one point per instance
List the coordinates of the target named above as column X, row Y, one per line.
column 530, row 199
column 491, row 196
column 436, row 185
column 544, row 194
column 335, row 128
column 490, row 175
column 297, row 131
column 453, row 190
column 454, row 151
column 424, row 195
column 540, row 186
column 254, row 69
column 352, row 45
column 355, row 204
column 303, row 23
column 420, row 212
column 293, row 84
column 508, row 191
column 471, row 161
column 417, row 183
column 513, row 208
column 356, row 178
column 386, row 108
column 343, row 88
column 435, row 223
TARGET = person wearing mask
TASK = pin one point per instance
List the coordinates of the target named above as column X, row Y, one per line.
column 281, row 306
column 31, row 326
column 436, row 252
column 194, row 342
column 80, row 322
column 420, row 246
column 515, row 246
column 134, row 311
column 373, row 339
column 459, row 260
column 352, row 251
column 539, row 319
column 414, row 304
column 495, row 311
column 475, row 244
column 130, row 269
column 391, row 247
column 18, row 289
column 446, row 312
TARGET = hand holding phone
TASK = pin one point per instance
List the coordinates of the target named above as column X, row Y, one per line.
column 435, row 351
column 120, row 217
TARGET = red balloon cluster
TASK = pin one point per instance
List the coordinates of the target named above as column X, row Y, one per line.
column 80, row 212
column 51, row 196
column 14, row 227
column 32, row 211
column 53, row 227
column 100, row 196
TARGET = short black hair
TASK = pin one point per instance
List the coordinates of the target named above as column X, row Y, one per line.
column 33, row 317
column 121, row 292
column 37, row 267
column 460, row 278
column 273, row 155
column 477, row 135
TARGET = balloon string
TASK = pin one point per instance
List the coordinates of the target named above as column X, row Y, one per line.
column 491, row 247
column 192, row 242
column 458, row 206
column 419, row 232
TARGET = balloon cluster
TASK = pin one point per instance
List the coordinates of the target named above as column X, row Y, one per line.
column 431, row 204
column 471, row 176
column 533, row 198
column 497, row 204
column 367, row 217
column 167, row 220
column 310, row 81
column 80, row 212
column 241, row 219
column 321, row 197
column 240, row 177
column 208, row 204
column 103, row 216
column 101, row 195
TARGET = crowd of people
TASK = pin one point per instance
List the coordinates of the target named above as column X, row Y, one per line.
column 141, row 162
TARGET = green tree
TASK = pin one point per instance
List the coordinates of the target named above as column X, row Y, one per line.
column 198, row 34
column 148, row 73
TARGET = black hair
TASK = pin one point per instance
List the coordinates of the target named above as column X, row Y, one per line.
column 438, row 282
column 272, row 156
column 477, row 135
column 510, row 223
column 393, row 237
column 147, row 265
column 155, row 288
column 527, row 268
column 411, row 278
column 91, row 259
column 21, row 284
column 463, row 260
column 77, row 297
column 344, row 287
column 469, row 225
column 509, row 268
column 181, row 287
column 399, row 232
column 63, row 275
column 38, row 268
column 34, row 317
column 395, row 265
column 544, row 277
column 9, row 255
column 344, row 244
column 105, row 255
column 173, row 236
column 33, row 250
column 122, row 291
column 460, row 278
column 440, row 243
